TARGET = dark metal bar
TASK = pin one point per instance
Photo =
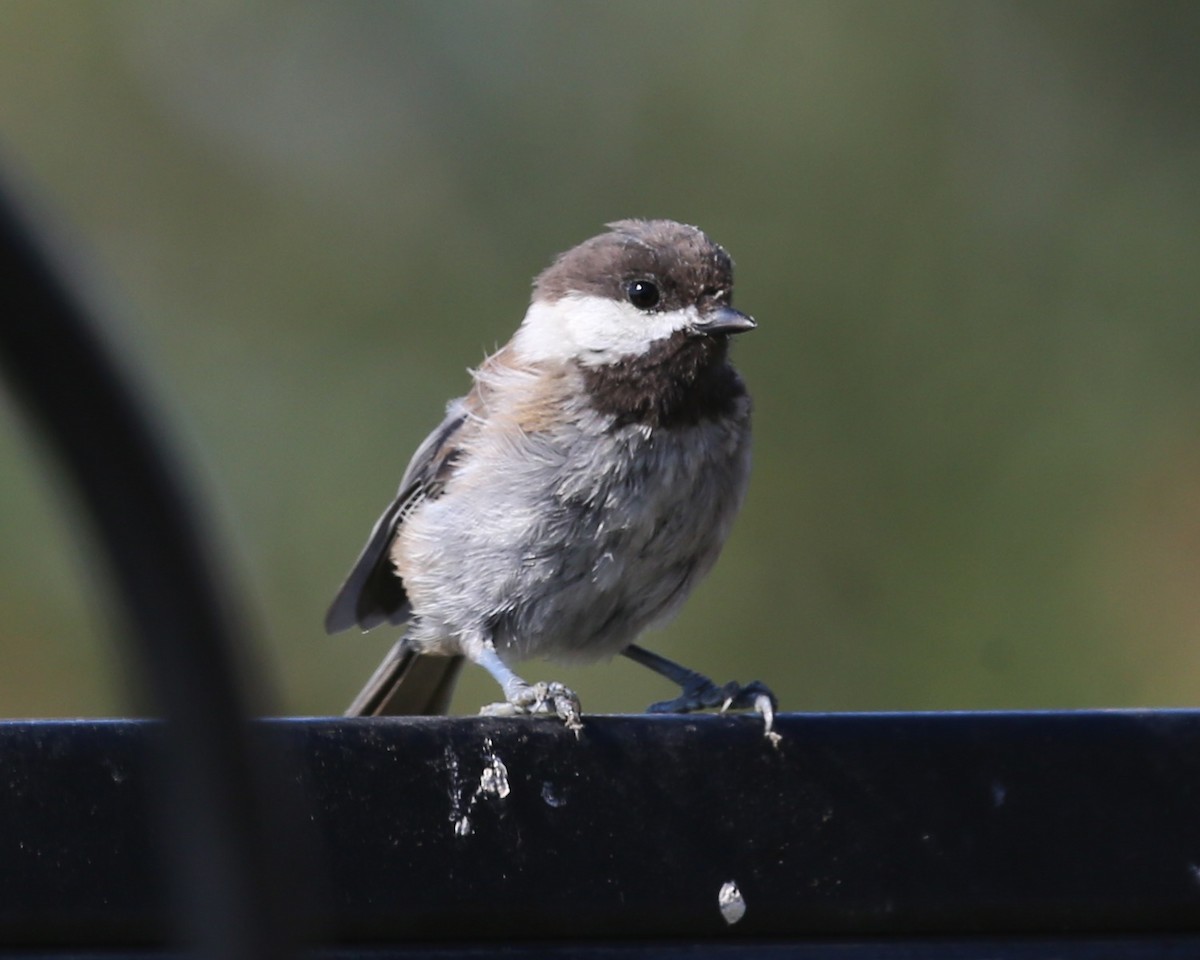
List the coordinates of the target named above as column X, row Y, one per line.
column 182, row 626
column 965, row 948
column 1067, row 828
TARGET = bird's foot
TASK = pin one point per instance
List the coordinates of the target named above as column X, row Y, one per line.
column 703, row 694
column 547, row 699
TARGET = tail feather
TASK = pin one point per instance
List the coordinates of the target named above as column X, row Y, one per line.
column 407, row 684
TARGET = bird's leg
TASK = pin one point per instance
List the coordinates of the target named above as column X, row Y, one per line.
column 700, row 693
column 527, row 699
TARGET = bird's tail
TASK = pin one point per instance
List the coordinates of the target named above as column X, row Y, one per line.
column 407, row 684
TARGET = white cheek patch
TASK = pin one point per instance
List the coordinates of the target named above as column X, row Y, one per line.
column 594, row 330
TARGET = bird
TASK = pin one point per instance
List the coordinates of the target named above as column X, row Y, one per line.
column 577, row 494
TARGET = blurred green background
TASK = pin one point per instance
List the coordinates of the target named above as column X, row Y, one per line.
column 970, row 232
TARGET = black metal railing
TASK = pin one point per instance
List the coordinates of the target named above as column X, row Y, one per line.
column 180, row 609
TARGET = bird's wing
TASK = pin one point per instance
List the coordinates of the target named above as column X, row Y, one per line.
column 374, row 593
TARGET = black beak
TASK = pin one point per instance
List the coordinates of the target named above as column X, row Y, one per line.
column 725, row 320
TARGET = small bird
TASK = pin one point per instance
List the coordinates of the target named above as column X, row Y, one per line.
column 577, row 494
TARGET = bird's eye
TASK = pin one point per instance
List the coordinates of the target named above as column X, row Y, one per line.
column 643, row 294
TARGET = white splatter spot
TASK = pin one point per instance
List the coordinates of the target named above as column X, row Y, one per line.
column 731, row 903
column 494, row 779
column 493, row 782
column 457, row 817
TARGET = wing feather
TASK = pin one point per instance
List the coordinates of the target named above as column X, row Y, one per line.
column 373, row 593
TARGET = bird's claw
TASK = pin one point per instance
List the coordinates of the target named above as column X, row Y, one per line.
column 544, row 699
column 706, row 695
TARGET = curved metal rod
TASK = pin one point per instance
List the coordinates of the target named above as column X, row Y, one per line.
column 181, row 624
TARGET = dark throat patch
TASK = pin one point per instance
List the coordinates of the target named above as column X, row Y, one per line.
column 680, row 381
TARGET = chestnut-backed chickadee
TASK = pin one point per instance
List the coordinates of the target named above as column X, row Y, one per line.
column 578, row 493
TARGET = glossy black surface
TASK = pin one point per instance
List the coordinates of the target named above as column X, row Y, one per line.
column 855, row 827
